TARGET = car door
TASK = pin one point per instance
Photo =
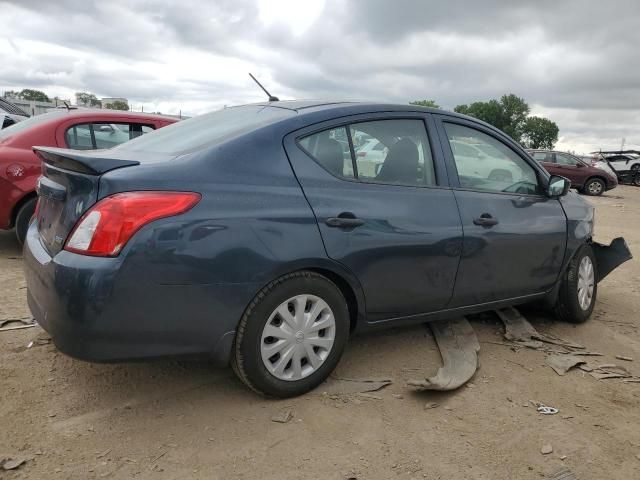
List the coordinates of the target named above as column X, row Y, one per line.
column 514, row 235
column 395, row 224
column 620, row 163
column 571, row 168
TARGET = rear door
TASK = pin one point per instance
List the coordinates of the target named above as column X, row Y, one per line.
column 514, row 236
column 547, row 161
column 391, row 218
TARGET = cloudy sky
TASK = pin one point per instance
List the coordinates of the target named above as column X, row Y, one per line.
column 575, row 61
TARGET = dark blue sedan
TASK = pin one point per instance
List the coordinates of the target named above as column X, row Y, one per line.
column 263, row 235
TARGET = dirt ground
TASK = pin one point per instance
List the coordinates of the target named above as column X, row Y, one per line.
column 172, row 419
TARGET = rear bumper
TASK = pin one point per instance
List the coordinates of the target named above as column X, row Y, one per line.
column 95, row 312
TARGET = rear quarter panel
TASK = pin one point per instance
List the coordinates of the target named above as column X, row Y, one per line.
column 252, row 225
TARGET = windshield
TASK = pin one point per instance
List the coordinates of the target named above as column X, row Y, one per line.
column 206, row 130
column 28, row 123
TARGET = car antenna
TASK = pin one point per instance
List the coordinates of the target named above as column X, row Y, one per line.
column 271, row 97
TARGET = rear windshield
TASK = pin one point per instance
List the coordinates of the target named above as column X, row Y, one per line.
column 29, row 122
column 206, row 130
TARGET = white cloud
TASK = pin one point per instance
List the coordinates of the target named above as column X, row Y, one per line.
column 572, row 60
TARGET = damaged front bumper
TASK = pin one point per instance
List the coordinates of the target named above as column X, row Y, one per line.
column 609, row 257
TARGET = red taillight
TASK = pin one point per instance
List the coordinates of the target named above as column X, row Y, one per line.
column 362, row 154
column 107, row 226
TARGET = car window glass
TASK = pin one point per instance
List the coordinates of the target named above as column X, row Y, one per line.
column 393, row 151
column 79, row 137
column 330, row 148
column 542, row 156
column 108, row 135
column 496, row 169
column 565, row 160
column 88, row 136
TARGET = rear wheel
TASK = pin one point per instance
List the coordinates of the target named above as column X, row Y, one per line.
column 579, row 289
column 292, row 335
column 594, row 187
column 635, row 167
column 22, row 219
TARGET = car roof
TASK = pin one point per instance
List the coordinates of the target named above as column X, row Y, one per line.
column 308, row 106
column 314, row 111
column 104, row 113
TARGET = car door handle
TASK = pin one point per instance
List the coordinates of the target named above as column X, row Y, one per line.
column 485, row 220
column 344, row 222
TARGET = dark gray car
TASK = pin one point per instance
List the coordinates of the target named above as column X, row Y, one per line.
column 257, row 236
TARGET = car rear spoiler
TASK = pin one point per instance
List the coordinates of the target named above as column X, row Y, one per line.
column 89, row 162
column 609, row 257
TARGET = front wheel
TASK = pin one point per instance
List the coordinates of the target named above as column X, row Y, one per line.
column 578, row 289
column 594, row 187
column 292, row 335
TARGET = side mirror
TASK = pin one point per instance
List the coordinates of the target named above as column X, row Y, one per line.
column 105, row 128
column 558, row 186
column 579, row 165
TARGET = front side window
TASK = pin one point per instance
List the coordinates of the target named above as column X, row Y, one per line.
column 562, row 159
column 384, row 151
column 89, row 136
column 485, row 163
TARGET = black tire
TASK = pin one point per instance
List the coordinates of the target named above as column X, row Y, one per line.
column 567, row 307
column 594, row 187
column 635, row 167
column 23, row 218
column 246, row 357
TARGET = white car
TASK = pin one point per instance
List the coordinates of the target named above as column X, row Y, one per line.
column 472, row 161
column 624, row 162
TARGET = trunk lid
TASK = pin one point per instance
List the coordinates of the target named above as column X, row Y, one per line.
column 67, row 188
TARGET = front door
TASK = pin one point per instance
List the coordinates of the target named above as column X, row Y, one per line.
column 571, row 168
column 379, row 194
column 514, row 236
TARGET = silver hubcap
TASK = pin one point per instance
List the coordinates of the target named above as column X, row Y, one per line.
column 595, row 187
column 298, row 337
column 585, row 283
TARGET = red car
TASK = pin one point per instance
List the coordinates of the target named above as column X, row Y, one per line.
column 80, row 129
column 588, row 179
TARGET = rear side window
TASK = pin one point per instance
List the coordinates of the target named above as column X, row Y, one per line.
column 542, row 157
column 90, row 136
column 330, row 148
column 384, row 151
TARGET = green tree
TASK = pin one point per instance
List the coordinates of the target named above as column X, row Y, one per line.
column 510, row 114
column 35, row 95
column 425, row 103
column 88, row 99
column 514, row 112
column 539, row 132
column 117, row 105
column 490, row 112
